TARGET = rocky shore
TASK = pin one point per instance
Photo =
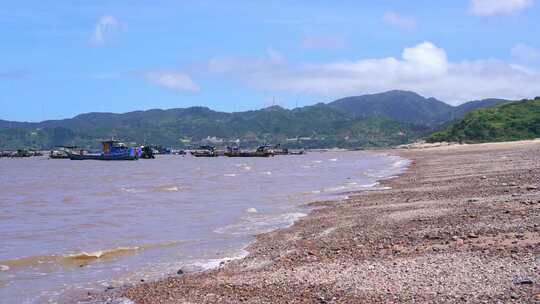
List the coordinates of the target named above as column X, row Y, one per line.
column 462, row 225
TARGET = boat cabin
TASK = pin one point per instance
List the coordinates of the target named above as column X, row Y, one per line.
column 113, row 147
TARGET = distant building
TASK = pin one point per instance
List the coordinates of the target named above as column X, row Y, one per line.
column 213, row 140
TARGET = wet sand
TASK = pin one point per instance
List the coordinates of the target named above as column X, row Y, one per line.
column 462, row 225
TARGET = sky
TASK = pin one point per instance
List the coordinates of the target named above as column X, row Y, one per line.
column 62, row 58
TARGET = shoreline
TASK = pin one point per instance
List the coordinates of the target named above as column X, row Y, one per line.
column 460, row 225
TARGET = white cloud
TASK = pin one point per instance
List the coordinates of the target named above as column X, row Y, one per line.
column 104, row 27
column 525, row 54
column 498, row 7
column 399, row 21
column 423, row 68
column 174, row 81
column 324, row 42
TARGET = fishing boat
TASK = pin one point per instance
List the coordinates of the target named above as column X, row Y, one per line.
column 62, row 152
column 205, row 151
column 147, row 152
column 278, row 150
column 297, row 152
column 262, row 151
column 178, row 152
column 112, row 150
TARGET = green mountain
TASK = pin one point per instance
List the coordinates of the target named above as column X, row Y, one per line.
column 505, row 122
column 401, row 106
column 313, row 126
column 391, row 118
column 409, row 107
column 461, row 110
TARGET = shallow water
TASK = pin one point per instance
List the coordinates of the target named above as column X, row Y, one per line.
column 68, row 227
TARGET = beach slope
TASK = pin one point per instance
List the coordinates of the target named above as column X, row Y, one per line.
column 461, row 225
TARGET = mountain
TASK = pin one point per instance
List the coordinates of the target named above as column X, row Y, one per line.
column 461, row 110
column 409, row 107
column 390, row 118
column 505, row 122
column 401, row 106
column 313, row 126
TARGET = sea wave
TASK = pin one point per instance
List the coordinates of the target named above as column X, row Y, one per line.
column 78, row 258
column 131, row 190
column 168, row 188
column 215, row 263
column 260, row 223
column 100, row 254
column 400, row 163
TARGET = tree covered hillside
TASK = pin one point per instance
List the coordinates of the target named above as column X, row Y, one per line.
column 511, row 121
column 383, row 119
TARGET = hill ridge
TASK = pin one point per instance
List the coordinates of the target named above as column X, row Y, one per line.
column 381, row 119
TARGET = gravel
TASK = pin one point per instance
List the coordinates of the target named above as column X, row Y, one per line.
column 460, row 226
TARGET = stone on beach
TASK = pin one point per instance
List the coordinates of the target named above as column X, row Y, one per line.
column 422, row 240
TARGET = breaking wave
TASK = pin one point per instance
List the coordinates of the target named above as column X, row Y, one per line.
column 256, row 223
column 215, row 263
column 100, row 254
column 78, row 258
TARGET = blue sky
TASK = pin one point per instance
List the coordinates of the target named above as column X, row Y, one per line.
column 62, row 58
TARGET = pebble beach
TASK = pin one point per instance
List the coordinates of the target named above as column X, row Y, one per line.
column 461, row 225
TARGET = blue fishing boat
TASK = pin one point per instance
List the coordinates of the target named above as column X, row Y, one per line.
column 112, row 150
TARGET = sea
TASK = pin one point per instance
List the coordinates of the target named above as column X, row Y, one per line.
column 72, row 227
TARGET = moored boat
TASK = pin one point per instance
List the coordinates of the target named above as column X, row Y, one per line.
column 262, row 151
column 147, row 152
column 278, row 150
column 112, row 150
column 205, row 151
column 62, row 152
column 297, row 152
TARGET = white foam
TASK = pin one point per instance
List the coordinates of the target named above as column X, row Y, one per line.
column 172, row 189
column 334, row 189
column 215, row 263
column 101, row 253
column 256, row 224
column 122, row 301
column 230, row 175
column 369, row 185
column 4, row 267
column 378, row 188
column 131, row 190
column 333, row 159
column 251, row 210
column 400, row 163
